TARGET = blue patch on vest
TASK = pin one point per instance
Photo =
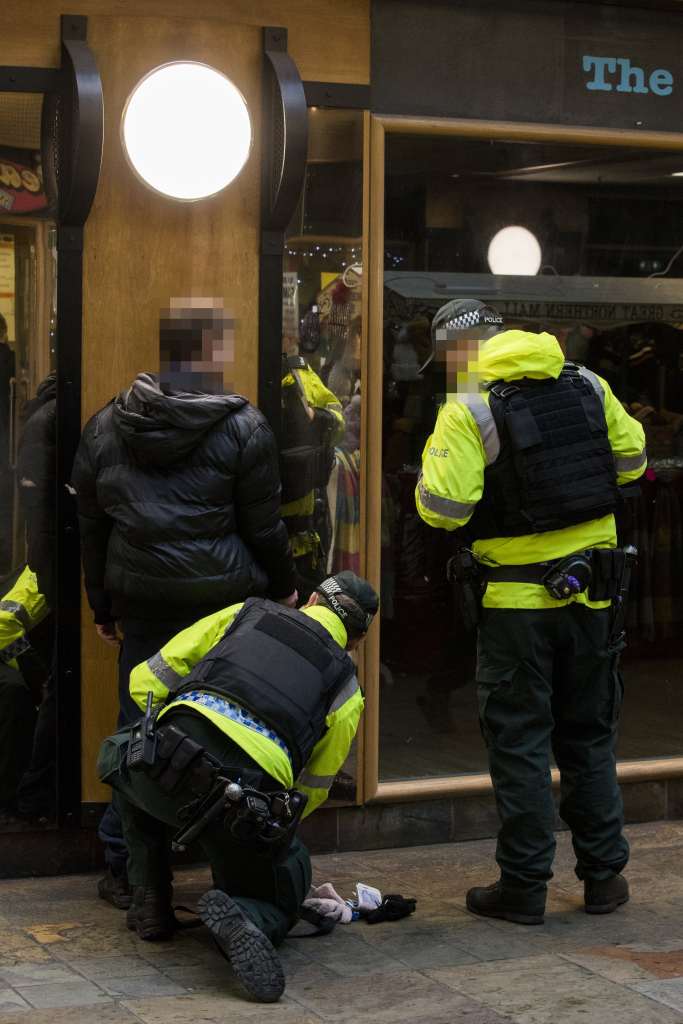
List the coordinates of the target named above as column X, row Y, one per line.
column 224, row 707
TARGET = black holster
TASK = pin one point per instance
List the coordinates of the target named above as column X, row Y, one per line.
column 468, row 581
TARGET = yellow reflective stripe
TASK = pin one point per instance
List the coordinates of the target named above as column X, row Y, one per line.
column 18, row 611
column 446, row 507
column 314, row 781
column 347, row 691
column 163, row 671
column 594, row 381
column 631, row 463
column 142, row 680
column 483, row 417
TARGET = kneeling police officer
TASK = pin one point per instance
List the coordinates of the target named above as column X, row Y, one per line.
column 250, row 714
column 526, row 459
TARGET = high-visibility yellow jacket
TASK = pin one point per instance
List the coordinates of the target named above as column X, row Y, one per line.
column 21, row 608
column 465, row 441
column 179, row 656
column 318, row 397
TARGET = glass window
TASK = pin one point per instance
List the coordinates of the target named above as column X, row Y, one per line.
column 599, row 265
column 27, row 470
column 321, row 351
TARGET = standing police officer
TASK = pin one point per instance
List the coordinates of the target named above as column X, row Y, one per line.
column 260, row 705
column 527, row 456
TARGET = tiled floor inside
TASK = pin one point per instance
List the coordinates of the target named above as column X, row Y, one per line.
column 67, row 958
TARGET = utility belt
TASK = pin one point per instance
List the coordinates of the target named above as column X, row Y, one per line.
column 303, row 469
column 229, row 795
column 604, row 573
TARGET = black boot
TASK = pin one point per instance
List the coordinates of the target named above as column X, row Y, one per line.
column 603, row 897
column 115, row 889
column 249, row 950
column 151, row 914
column 509, row 905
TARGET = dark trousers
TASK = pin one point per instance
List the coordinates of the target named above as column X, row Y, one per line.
column 36, row 794
column 547, row 682
column 269, row 891
column 141, row 640
column 17, row 722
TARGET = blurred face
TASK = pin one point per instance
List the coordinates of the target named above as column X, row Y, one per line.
column 207, row 362
column 460, row 351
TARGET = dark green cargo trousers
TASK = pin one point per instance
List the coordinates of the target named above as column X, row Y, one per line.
column 270, row 892
column 547, row 683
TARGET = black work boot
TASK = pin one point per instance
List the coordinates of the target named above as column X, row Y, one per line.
column 250, row 952
column 603, row 897
column 495, row 901
column 115, row 889
column 151, row 913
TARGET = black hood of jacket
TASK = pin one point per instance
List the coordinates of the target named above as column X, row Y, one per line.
column 47, row 389
column 45, row 392
column 161, row 426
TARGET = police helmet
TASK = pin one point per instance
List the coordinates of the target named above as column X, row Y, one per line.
column 352, row 599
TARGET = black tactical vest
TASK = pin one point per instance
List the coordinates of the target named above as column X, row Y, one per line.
column 555, row 468
column 282, row 666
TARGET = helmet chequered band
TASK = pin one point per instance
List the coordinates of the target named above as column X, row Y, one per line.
column 474, row 318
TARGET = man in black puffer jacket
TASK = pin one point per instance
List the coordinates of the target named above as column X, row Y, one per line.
column 179, row 508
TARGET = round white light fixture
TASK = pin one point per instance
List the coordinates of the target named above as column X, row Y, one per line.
column 514, row 250
column 186, row 130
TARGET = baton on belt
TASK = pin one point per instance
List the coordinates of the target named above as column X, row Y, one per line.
column 617, row 637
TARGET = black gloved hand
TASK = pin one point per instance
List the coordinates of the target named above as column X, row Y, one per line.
column 392, row 908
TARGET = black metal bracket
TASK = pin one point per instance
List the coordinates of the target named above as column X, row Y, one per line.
column 82, row 115
column 30, row 79
column 77, row 155
column 337, row 95
column 285, row 145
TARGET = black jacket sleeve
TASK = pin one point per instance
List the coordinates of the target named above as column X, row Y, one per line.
column 257, row 509
column 95, row 526
column 36, row 473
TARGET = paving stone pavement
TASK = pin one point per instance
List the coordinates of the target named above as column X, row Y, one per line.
column 67, row 958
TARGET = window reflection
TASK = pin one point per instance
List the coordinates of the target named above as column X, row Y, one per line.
column 27, row 471
column 609, row 288
column 321, row 359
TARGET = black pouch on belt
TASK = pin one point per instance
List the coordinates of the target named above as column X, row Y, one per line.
column 177, row 754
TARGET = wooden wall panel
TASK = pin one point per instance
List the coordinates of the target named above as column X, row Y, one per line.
column 329, row 40
column 141, row 248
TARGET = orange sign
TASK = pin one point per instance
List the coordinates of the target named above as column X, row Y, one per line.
column 21, row 190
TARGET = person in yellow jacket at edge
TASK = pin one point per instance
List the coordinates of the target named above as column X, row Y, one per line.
column 526, row 458
column 257, row 709
column 22, row 607
column 312, row 423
